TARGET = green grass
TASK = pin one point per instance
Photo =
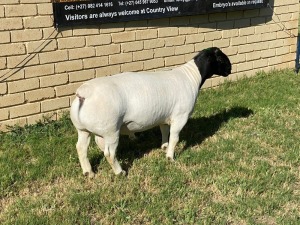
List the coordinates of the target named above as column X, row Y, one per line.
column 237, row 163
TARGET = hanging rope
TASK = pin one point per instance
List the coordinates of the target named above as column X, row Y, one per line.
column 281, row 24
column 28, row 58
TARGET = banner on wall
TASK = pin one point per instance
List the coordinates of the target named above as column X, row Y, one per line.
column 88, row 12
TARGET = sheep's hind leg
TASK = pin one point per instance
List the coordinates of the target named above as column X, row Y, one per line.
column 111, row 144
column 82, row 148
column 165, row 131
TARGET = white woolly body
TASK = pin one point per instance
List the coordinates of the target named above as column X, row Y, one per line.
column 136, row 101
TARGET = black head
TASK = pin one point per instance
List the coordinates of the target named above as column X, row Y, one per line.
column 212, row 61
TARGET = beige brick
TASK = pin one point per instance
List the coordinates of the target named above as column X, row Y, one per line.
column 95, row 62
column 174, row 60
column 261, row 63
column 254, row 38
column 11, row 100
column 222, row 43
column 246, row 48
column 40, row 94
column 34, row 1
column 268, row 37
column 71, row 42
column 123, row 37
column 108, row 70
column 230, row 33
column 253, row 56
column 283, row 50
column 213, row 36
column 268, row 53
column 206, row 28
column 12, row 49
column 33, row 119
column 109, row 28
column 54, row 80
column 68, row 66
column 146, row 34
column 82, row 53
column 185, row 49
column 262, row 29
column 2, row 63
column 156, row 43
column 239, row 58
column 23, row 85
column 174, row 41
column 120, row 58
column 67, row 90
column 1, row 11
column 13, row 74
column 132, row 46
column 39, row 70
column 11, row 24
column 20, row 10
column 44, row 46
column 4, row 114
column 4, row 126
column 108, row 49
column 188, row 30
column 3, row 88
column 143, row 55
column 244, row 66
column 38, row 22
column 81, row 75
column 50, row 57
column 203, row 45
column 162, row 52
column 9, row 2
column 132, row 66
column 55, row 104
column 45, row 9
column 195, row 38
column 168, row 31
column 4, row 37
column 19, row 61
column 83, row 31
column 97, row 40
column 26, row 35
column 216, row 81
column 239, row 40
column 25, row 110
column 154, row 63
column 247, row 31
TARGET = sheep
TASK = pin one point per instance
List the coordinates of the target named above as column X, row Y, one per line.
column 132, row 102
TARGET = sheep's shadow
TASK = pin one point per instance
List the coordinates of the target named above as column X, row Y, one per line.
column 194, row 133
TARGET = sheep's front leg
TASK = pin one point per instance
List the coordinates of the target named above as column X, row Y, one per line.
column 82, row 147
column 111, row 144
column 165, row 131
column 175, row 129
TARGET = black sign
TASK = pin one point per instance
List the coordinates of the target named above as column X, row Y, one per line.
column 84, row 12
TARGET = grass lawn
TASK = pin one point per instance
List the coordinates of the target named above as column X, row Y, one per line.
column 237, row 162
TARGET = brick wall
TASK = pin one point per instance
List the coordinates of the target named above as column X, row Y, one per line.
column 41, row 68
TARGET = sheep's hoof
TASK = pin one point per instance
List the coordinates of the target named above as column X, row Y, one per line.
column 122, row 173
column 90, row 175
column 164, row 146
column 170, row 158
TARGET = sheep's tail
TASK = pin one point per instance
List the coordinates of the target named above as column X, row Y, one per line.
column 82, row 93
column 81, row 100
